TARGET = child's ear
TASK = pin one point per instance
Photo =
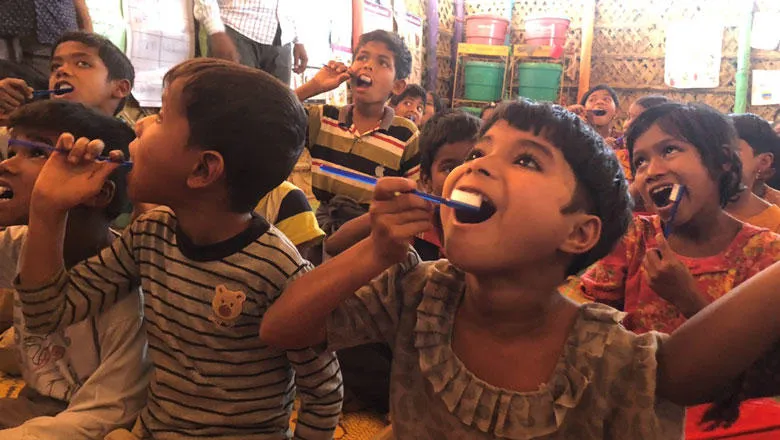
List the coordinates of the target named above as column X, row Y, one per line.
column 208, row 169
column 121, row 88
column 399, row 86
column 104, row 197
column 765, row 161
column 584, row 234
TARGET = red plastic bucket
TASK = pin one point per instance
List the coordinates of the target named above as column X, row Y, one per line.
column 486, row 29
column 547, row 31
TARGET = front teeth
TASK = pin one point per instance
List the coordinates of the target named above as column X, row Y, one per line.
column 366, row 79
column 469, row 198
column 6, row 192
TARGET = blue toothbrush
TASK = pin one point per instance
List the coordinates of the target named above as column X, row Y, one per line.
column 46, row 147
column 675, row 196
column 372, row 181
column 45, row 93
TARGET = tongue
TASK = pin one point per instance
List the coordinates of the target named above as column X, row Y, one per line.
column 486, row 210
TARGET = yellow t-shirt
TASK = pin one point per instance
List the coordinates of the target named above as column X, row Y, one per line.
column 768, row 218
column 287, row 208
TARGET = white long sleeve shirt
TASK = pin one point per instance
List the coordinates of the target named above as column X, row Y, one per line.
column 255, row 19
column 98, row 366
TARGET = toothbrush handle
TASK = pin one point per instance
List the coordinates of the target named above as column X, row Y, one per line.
column 51, row 149
column 348, row 174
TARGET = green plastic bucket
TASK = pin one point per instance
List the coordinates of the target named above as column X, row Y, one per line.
column 539, row 81
column 476, row 111
column 483, row 81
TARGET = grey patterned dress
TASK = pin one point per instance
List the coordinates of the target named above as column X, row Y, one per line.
column 603, row 386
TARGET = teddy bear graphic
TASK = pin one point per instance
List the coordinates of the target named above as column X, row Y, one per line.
column 226, row 306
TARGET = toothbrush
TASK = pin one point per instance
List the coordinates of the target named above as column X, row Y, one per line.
column 675, row 196
column 45, row 93
column 42, row 146
column 467, row 200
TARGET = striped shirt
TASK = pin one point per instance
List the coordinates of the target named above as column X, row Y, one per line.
column 255, row 19
column 288, row 209
column 388, row 150
column 203, row 306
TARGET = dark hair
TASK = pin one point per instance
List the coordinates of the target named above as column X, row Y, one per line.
column 651, row 101
column 402, row 57
column 34, row 79
column 118, row 65
column 60, row 116
column 707, row 129
column 594, row 89
column 253, row 120
column 447, row 127
column 776, row 115
column 758, row 133
column 438, row 105
column 602, row 189
column 411, row 91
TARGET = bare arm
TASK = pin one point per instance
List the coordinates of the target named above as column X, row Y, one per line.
column 348, row 235
column 328, row 78
column 82, row 15
column 722, row 341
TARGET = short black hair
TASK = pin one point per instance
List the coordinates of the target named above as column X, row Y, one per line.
column 758, row 133
column 402, row 57
column 438, row 104
column 651, row 101
column 707, row 129
column 447, row 127
column 60, row 116
column 602, row 189
column 117, row 63
column 253, row 120
column 33, row 78
column 411, row 91
column 594, row 89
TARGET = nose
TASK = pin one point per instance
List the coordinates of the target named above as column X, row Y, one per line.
column 480, row 166
column 655, row 169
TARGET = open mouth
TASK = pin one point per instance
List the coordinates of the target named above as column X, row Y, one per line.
column 364, row 81
column 598, row 112
column 63, row 87
column 661, row 196
column 6, row 193
column 473, row 216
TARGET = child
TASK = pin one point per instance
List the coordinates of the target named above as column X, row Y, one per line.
column 756, row 134
column 748, row 207
column 91, row 377
column 287, row 208
column 600, row 98
column 99, row 72
column 660, row 282
column 444, row 142
column 366, row 136
column 208, row 267
column 410, row 104
column 433, row 105
column 461, row 330
column 638, row 107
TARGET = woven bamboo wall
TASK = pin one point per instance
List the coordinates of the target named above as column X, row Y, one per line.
column 629, row 44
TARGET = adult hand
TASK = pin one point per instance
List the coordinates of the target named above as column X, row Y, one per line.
column 223, row 47
column 300, row 58
column 13, row 93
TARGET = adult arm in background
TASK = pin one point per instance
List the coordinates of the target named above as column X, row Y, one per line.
column 82, row 15
column 220, row 44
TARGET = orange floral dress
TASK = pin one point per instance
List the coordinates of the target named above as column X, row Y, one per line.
column 619, row 279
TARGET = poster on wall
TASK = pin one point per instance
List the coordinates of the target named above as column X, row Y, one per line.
column 693, row 54
column 161, row 35
column 766, row 32
column 766, row 87
column 410, row 28
column 107, row 20
column 377, row 16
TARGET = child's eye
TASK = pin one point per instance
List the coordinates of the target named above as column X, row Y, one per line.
column 55, row 66
column 384, row 63
column 362, row 57
column 528, row 161
column 669, row 149
column 475, row 154
column 639, row 162
column 38, row 152
column 83, row 64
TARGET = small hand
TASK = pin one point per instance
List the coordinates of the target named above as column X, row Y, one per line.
column 13, row 93
column 397, row 217
column 331, row 76
column 671, row 280
column 223, row 47
column 578, row 110
column 71, row 175
column 300, row 58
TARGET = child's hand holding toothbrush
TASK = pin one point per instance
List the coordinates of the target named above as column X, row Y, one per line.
column 671, row 279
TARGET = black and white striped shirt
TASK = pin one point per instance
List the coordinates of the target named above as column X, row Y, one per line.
column 203, row 306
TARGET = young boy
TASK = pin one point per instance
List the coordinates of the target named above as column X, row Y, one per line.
column 410, row 104
column 287, row 208
column 89, row 378
column 366, row 136
column 99, row 72
column 208, row 267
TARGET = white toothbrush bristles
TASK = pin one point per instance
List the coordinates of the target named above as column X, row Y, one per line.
column 677, row 192
column 467, row 198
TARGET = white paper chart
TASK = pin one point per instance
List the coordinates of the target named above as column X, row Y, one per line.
column 693, row 54
column 161, row 35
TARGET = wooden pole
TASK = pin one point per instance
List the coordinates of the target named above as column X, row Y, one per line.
column 588, row 22
column 431, row 79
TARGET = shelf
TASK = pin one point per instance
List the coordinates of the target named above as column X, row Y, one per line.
column 473, row 103
column 483, row 49
column 532, row 51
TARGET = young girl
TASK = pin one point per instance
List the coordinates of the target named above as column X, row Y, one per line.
column 756, row 135
column 637, row 108
column 749, row 207
column 657, row 281
column 483, row 345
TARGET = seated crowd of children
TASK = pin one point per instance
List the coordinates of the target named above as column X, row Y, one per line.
column 579, row 299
